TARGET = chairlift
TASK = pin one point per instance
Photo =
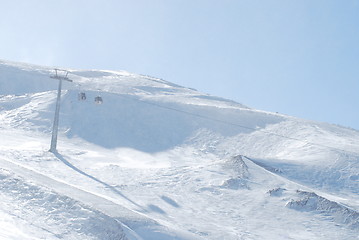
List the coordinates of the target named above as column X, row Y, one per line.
column 82, row 96
column 98, row 100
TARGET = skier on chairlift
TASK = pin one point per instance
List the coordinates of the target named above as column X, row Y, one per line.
column 82, row 96
column 98, row 100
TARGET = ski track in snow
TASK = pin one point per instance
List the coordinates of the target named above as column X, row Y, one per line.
column 159, row 161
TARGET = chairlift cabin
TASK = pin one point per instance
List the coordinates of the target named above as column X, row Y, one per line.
column 82, row 96
column 98, row 100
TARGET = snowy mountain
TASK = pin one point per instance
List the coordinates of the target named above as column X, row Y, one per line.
column 159, row 161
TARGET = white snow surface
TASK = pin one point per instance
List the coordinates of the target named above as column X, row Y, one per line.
column 161, row 161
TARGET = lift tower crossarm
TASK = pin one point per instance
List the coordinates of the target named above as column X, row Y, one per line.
column 58, row 77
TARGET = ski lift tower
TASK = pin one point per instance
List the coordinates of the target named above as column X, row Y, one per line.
column 55, row 128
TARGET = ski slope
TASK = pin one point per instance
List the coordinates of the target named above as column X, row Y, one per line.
column 161, row 161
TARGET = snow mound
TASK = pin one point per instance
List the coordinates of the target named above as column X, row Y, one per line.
column 240, row 174
column 311, row 202
column 237, row 165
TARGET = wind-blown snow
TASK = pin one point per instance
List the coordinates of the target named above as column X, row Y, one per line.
column 161, row 161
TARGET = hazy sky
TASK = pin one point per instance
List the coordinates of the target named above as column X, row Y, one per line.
column 297, row 57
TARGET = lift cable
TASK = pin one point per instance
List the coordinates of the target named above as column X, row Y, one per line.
column 238, row 125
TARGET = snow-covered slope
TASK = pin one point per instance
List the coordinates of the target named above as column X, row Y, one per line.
column 160, row 161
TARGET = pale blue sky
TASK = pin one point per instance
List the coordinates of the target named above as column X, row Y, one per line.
column 297, row 57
